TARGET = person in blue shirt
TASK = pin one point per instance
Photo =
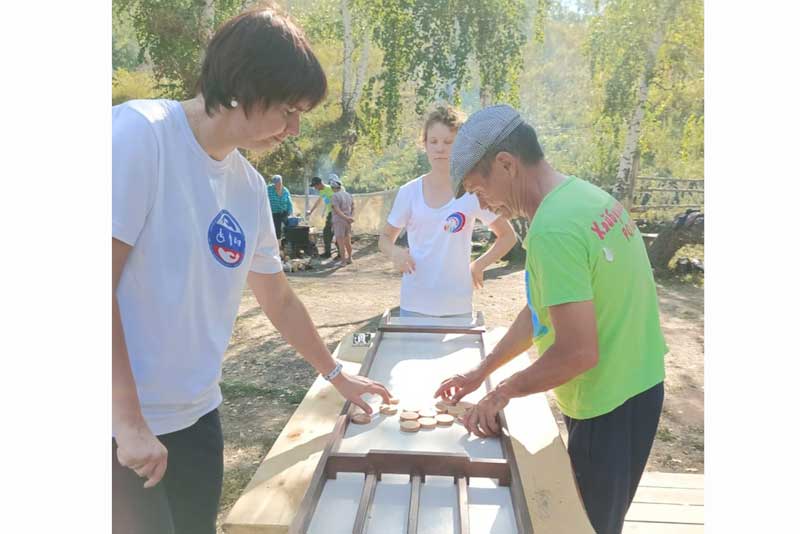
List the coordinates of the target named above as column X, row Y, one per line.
column 280, row 200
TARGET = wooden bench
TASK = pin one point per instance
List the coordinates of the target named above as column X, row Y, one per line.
column 667, row 503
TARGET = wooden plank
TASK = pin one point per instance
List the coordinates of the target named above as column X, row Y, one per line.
column 672, row 480
column 463, row 505
column 271, row 499
column 413, row 504
column 548, row 485
column 367, row 496
column 650, row 494
column 408, row 463
column 640, row 527
column 666, row 513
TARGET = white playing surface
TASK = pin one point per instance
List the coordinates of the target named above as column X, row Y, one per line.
column 412, row 366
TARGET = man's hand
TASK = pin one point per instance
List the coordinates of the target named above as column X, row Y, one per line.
column 353, row 386
column 482, row 419
column 402, row 260
column 476, row 270
column 139, row 450
column 350, row 219
column 456, row 387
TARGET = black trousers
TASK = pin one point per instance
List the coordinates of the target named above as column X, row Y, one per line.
column 187, row 498
column 327, row 233
column 609, row 454
column 279, row 219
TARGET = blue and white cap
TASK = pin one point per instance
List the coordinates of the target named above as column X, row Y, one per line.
column 483, row 130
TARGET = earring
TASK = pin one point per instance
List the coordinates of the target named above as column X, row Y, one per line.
column 234, row 103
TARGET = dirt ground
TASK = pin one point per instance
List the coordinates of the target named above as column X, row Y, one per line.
column 263, row 380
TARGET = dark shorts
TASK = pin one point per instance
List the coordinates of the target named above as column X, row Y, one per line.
column 609, row 453
column 187, row 498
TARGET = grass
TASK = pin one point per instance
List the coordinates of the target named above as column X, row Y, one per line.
column 239, row 390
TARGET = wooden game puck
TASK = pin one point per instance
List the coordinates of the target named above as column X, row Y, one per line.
column 388, row 409
column 427, row 412
column 394, row 400
column 444, row 419
column 411, row 408
column 456, row 411
column 465, row 404
column 409, row 416
column 409, row 426
column 360, row 418
column 442, row 406
column 427, row 422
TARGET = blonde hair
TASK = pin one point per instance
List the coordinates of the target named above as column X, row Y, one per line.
column 445, row 114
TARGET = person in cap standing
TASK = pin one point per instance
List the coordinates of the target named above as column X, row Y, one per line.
column 592, row 312
column 343, row 213
column 190, row 226
column 325, row 193
column 280, row 201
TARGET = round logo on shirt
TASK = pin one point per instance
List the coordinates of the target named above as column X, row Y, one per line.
column 455, row 222
column 226, row 239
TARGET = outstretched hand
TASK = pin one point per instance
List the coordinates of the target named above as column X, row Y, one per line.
column 457, row 386
column 352, row 387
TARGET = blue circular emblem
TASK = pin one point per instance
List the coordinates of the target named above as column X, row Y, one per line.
column 226, row 239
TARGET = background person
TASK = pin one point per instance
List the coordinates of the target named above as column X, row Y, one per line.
column 343, row 217
column 280, row 201
column 438, row 277
column 325, row 193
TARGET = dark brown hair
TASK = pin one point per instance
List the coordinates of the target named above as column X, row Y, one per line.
column 261, row 57
column 445, row 114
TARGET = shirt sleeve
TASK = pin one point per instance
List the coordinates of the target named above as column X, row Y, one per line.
column 561, row 264
column 401, row 209
column 289, row 201
column 267, row 256
column 134, row 173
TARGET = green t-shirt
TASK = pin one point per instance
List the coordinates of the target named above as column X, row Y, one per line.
column 326, row 193
column 582, row 245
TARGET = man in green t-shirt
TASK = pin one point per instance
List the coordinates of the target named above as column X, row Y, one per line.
column 325, row 193
column 592, row 312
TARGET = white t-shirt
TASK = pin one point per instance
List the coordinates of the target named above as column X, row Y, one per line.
column 440, row 242
column 197, row 226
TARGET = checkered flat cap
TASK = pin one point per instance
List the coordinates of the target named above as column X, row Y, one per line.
column 483, row 130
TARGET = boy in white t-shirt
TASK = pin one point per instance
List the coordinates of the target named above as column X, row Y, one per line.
column 191, row 223
column 438, row 276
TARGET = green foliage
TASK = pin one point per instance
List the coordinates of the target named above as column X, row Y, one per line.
column 124, row 48
column 173, row 34
column 620, row 39
column 126, row 85
column 429, row 45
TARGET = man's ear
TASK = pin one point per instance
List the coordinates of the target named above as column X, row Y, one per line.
column 507, row 161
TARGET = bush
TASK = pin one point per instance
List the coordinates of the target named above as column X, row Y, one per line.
column 130, row 85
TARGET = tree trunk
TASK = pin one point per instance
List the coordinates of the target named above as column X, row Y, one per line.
column 622, row 187
column 347, row 61
column 674, row 236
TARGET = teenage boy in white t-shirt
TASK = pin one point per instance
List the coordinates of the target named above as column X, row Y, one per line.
column 438, row 276
column 191, row 223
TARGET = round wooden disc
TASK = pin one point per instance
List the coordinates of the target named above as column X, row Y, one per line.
column 409, row 416
column 360, row 418
column 456, row 411
column 411, row 408
column 427, row 422
column 427, row 412
column 409, row 426
column 444, row 419
column 394, row 400
column 442, row 407
column 465, row 404
column 388, row 409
